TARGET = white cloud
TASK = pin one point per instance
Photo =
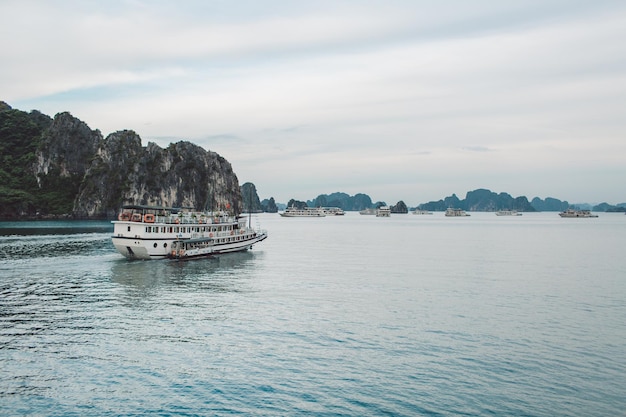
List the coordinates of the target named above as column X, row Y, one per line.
column 383, row 93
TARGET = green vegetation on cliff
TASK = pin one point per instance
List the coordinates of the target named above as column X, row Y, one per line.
column 20, row 136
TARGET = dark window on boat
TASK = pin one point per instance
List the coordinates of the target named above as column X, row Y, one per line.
column 165, row 245
column 129, row 228
column 155, row 245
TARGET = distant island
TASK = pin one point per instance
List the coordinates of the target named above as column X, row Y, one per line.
column 346, row 202
column 477, row 200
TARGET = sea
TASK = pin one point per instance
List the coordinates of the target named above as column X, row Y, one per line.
column 412, row 315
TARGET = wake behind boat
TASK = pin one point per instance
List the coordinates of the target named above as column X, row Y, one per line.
column 149, row 232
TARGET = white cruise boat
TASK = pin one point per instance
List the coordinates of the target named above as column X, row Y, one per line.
column 384, row 211
column 508, row 213
column 455, row 212
column 333, row 211
column 304, row 212
column 149, row 232
column 571, row 213
column 368, row 212
column 421, row 212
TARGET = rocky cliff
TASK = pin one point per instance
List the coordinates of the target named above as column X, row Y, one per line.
column 182, row 175
column 61, row 167
column 66, row 148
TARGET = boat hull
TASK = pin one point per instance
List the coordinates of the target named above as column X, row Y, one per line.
column 142, row 248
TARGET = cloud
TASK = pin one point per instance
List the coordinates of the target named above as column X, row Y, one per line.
column 362, row 90
column 476, row 149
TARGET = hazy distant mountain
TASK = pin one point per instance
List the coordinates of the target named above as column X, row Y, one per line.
column 618, row 208
column 343, row 201
column 477, row 200
column 480, row 200
column 549, row 204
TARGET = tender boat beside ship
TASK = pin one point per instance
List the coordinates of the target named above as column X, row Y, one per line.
column 153, row 232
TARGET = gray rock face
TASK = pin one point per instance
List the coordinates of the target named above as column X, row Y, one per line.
column 60, row 168
column 182, row 175
column 108, row 173
column 66, row 148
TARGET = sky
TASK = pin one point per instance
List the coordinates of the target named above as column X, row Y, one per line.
column 402, row 100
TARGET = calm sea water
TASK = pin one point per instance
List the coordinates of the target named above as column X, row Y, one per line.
column 353, row 315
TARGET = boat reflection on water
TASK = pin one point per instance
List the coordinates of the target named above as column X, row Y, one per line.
column 215, row 274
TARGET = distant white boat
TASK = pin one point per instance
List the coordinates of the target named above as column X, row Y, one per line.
column 333, row 211
column 456, row 212
column 384, row 211
column 304, row 212
column 508, row 213
column 368, row 212
column 571, row 213
column 421, row 212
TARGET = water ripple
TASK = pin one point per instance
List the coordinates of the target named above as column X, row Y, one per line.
column 324, row 318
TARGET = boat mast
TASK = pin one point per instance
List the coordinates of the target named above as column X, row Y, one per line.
column 250, row 208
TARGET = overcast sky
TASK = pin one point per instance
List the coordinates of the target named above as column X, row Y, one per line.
column 402, row 100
